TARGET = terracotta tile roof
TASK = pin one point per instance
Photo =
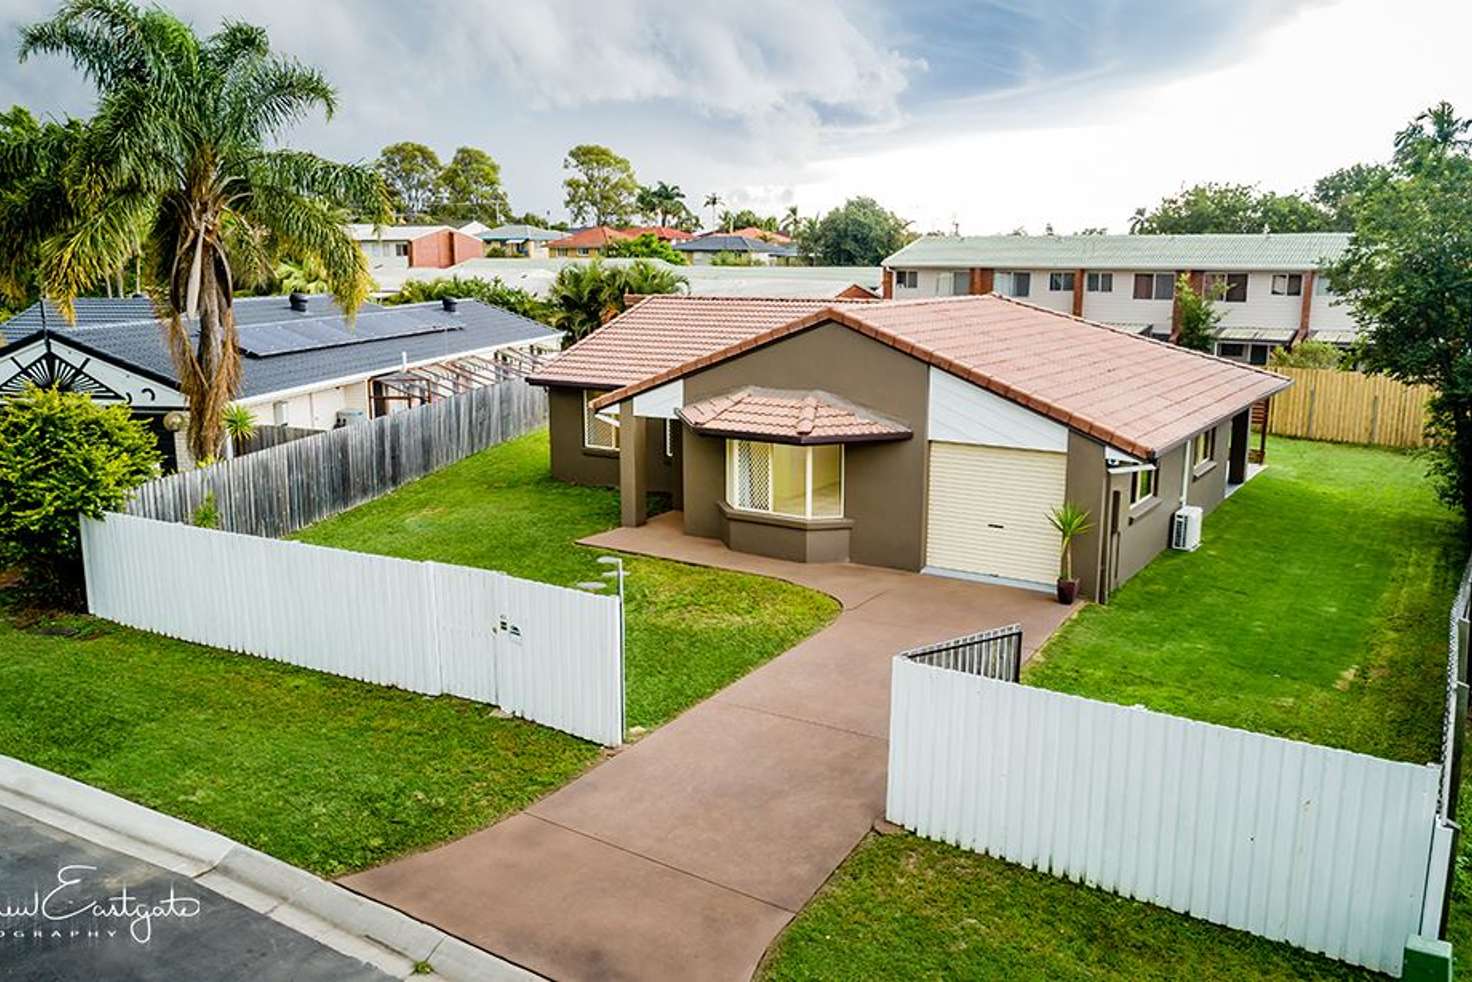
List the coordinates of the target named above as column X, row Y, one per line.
column 664, row 332
column 1140, row 395
column 589, row 238
column 784, row 416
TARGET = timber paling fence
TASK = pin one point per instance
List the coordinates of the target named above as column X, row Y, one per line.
column 1339, row 853
column 275, row 492
column 1350, row 407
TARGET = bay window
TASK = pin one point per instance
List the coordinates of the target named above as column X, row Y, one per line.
column 781, row 479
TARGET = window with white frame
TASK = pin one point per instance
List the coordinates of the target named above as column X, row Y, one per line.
column 1060, row 282
column 1016, row 284
column 1203, row 448
column 1227, row 287
column 1155, row 286
column 1321, row 285
column 1287, row 284
column 401, row 248
column 600, row 431
column 1142, row 485
column 781, row 479
column 961, row 282
column 1099, row 283
column 909, row 279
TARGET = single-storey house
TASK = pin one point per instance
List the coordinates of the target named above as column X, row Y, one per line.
column 525, row 241
column 302, row 364
column 757, row 250
column 415, row 246
column 933, row 435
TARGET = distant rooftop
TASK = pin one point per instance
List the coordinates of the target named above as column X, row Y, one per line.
column 718, row 242
column 392, row 233
column 1271, row 251
column 519, row 233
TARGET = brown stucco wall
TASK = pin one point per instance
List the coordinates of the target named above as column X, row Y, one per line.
column 576, row 464
column 1145, row 533
column 884, row 483
column 1087, row 485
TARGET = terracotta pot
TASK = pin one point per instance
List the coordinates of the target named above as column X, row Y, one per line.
column 1067, row 591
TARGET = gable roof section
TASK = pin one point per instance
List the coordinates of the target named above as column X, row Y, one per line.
column 589, row 238
column 664, row 332
column 735, row 243
column 1291, row 251
column 1138, row 394
column 519, row 233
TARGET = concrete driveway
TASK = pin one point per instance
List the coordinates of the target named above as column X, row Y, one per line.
column 686, row 854
column 200, row 935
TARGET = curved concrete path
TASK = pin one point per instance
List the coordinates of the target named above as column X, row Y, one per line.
column 684, row 855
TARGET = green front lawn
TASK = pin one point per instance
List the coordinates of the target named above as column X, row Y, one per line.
column 1316, row 609
column 691, row 630
column 336, row 775
column 327, row 773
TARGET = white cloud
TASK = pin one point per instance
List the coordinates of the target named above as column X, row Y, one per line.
column 1320, row 90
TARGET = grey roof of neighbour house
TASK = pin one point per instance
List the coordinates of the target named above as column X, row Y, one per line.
column 735, row 243
column 520, row 233
column 1274, row 251
column 283, row 349
column 362, row 232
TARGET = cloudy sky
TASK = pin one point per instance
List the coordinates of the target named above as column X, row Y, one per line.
column 984, row 115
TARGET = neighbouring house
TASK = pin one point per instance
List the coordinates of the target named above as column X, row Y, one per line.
column 524, row 241
column 588, row 242
column 415, row 246
column 536, row 276
column 933, row 435
column 752, row 232
column 302, row 364
column 765, row 251
column 1269, row 287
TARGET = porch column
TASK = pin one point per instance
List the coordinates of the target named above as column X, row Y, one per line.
column 633, row 484
column 1241, row 436
column 1078, row 292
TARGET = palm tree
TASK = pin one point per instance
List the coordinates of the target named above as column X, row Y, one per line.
column 178, row 160
column 584, row 296
column 713, row 201
column 304, row 276
column 1437, row 129
column 663, row 201
column 791, row 222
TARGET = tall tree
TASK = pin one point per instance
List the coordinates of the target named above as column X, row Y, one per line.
column 713, row 201
column 601, row 187
column 1199, row 317
column 1240, row 208
column 791, row 221
column 1340, row 192
column 860, row 233
column 584, row 296
column 470, row 189
column 663, row 203
column 34, row 196
column 1405, row 277
column 180, row 157
column 411, row 171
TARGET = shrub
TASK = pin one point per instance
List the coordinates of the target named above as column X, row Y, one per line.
column 1307, row 354
column 207, row 515
column 492, row 291
column 645, row 246
column 63, row 455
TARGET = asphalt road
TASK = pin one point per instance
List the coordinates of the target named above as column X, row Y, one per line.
column 146, row 935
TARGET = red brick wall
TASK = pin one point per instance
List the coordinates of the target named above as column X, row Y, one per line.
column 888, row 288
column 444, row 248
column 983, row 280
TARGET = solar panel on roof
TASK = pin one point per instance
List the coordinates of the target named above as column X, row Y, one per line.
column 266, row 340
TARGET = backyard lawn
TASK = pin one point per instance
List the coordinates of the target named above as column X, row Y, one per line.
column 327, row 773
column 691, row 630
column 1316, row 609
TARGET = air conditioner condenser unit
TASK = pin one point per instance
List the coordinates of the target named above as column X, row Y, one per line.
column 1185, row 529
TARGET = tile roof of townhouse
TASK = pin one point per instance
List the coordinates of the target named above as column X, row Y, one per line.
column 1137, row 394
column 1263, row 251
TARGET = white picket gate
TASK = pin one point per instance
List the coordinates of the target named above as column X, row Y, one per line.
column 1322, row 848
column 542, row 652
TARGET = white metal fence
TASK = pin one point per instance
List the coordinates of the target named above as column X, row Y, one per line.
column 542, row 652
column 1322, row 848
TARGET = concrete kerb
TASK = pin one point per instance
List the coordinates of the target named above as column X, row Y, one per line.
column 331, row 914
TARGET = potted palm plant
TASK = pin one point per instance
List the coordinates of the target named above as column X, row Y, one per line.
column 1071, row 521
